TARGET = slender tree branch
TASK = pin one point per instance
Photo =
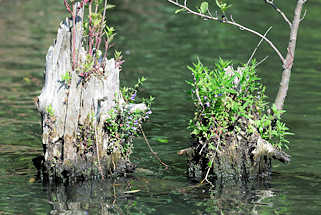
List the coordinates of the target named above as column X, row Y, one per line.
column 102, row 25
column 67, row 6
column 261, row 61
column 287, row 65
column 305, row 13
column 258, row 45
column 74, row 8
column 231, row 22
column 150, row 148
column 270, row 2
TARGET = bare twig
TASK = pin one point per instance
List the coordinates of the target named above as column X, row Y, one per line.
column 150, row 148
column 102, row 26
column 231, row 22
column 185, row 151
column 97, row 4
column 208, row 171
column 90, row 29
column 253, row 53
column 67, row 6
column 270, row 2
column 197, row 93
column 261, row 61
column 209, row 168
column 302, row 18
column 74, row 11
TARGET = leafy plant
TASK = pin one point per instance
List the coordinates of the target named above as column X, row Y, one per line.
column 96, row 32
column 223, row 5
column 50, row 111
column 228, row 102
column 123, row 125
column 66, row 78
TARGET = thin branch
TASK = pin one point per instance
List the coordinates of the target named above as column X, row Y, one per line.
column 74, row 14
column 97, row 4
column 67, row 6
column 102, row 25
column 197, row 93
column 270, row 2
column 261, row 61
column 150, row 148
column 258, row 45
column 302, row 18
column 287, row 65
column 232, row 22
column 260, row 35
column 207, row 172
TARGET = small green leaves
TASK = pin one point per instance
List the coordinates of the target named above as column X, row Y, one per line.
column 204, row 7
column 162, row 140
column 117, row 55
column 66, row 79
column 222, row 107
column 122, row 124
column 50, row 111
column 110, row 6
column 222, row 5
column 110, row 33
column 96, row 19
column 179, row 10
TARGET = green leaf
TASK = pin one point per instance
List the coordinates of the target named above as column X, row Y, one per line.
column 204, row 7
column 179, row 10
column 109, row 6
column 162, row 140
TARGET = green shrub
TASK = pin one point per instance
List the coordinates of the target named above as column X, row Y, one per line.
column 123, row 125
column 232, row 103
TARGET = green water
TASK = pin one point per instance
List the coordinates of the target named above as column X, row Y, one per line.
column 158, row 45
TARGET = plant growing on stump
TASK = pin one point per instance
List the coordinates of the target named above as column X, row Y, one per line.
column 83, row 110
column 235, row 132
column 231, row 117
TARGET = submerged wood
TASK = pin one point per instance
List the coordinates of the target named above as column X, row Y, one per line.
column 73, row 112
column 241, row 158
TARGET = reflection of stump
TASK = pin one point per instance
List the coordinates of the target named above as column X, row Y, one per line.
column 73, row 111
column 89, row 197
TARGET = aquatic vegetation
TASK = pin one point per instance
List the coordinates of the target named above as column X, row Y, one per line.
column 224, row 101
column 235, row 132
column 124, row 123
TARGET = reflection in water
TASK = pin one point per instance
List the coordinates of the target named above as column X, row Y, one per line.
column 237, row 200
column 96, row 197
column 128, row 196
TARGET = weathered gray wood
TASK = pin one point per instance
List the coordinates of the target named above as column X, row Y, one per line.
column 76, row 103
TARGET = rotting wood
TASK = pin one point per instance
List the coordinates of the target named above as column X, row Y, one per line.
column 72, row 109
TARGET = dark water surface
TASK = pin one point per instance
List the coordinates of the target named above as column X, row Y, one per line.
column 158, row 45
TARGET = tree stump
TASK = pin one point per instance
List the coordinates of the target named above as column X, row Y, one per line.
column 73, row 111
column 228, row 124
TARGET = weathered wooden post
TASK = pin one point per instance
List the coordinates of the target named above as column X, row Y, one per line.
column 74, row 106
